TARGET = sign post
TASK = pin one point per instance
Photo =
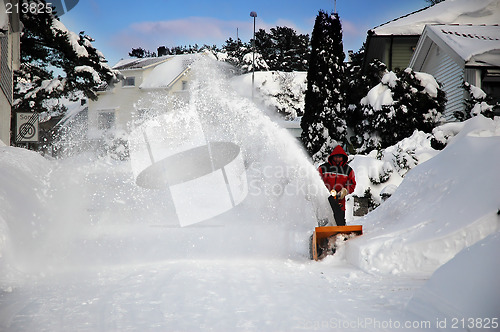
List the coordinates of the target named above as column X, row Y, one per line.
column 26, row 127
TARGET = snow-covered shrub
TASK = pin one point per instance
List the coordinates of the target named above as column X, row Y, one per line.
column 248, row 63
column 383, row 170
column 383, row 176
column 442, row 134
column 404, row 160
column 400, row 104
column 290, row 98
column 366, row 200
column 277, row 91
column 477, row 103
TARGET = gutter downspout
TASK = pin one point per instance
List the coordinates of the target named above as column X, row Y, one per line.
column 390, row 52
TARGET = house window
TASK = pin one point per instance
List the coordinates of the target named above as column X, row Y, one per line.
column 128, row 81
column 491, row 84
column 184, row 85
column 105, row 120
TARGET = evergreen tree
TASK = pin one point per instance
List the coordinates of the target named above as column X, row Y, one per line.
column 251, row 60
column 141, row 53
column 358, row 83
column 235, row 50
column 323, row 123
column 280, row 50
column 402, row 103
column 478, row 102
column 283, row 49
column 264, row 45
column 290, row 95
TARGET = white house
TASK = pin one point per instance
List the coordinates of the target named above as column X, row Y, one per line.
column 10, row 27
column 117, row 106
column 394, row 42
column 455, row 54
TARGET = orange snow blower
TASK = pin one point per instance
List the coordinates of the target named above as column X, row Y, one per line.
column 325, row 239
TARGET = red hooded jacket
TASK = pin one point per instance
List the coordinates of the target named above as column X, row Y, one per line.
column 338, row 176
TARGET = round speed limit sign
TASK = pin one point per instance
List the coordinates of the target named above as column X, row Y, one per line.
column 27, row 127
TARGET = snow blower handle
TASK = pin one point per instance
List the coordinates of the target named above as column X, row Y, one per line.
column 339, row 194
column 335, row 194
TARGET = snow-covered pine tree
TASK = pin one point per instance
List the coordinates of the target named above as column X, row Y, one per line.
column 323, row 123
column 46, row 45
column 283, row 49
column 234, row 51
column 280, row 50
column 290, row 96
column 359, row 82
column 477, row 103
column 402, row 103
column 250, row 60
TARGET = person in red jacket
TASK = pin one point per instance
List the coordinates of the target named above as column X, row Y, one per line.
column 340, row 180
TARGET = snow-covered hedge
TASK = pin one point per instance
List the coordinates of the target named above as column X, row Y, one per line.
column 400, row 104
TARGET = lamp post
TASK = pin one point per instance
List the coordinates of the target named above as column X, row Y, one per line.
column 254, row 15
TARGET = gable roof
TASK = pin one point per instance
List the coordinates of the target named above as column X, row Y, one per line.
column 476, row 45
column 474, row 12
column 165, row 74
column 471, row 45
column 142, row 63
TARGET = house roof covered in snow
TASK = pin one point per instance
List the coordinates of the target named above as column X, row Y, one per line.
column 166, row 70
column 473, row 45
column 165, row 74
column 474, row 12
column 142, row 63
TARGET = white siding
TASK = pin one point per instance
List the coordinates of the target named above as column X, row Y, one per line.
column 450, row 75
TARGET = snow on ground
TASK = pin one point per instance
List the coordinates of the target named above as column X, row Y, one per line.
column 442, row 206
column 456, row 300
column 82, row 247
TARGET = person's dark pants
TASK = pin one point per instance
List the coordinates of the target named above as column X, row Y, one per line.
column 338, row 213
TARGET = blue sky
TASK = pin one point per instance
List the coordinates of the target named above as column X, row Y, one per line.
column 120, row 25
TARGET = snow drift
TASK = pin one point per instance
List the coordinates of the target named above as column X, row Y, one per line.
column 443, row 206
column 23, row 200
column 473, row 295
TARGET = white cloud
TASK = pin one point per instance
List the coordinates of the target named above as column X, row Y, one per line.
column 191, row 30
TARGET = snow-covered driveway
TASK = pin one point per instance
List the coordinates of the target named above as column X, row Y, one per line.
column 218, row 295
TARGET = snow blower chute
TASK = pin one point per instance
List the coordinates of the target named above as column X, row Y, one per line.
column 324, row 239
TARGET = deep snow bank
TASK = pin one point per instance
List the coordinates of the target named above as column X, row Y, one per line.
column 392, row 164
column 467, row 287
column 443, row 206
column 23, row 215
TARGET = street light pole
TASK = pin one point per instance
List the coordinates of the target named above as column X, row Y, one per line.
column 254, row 15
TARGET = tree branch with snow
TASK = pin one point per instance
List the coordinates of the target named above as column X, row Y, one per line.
column 56, row 63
